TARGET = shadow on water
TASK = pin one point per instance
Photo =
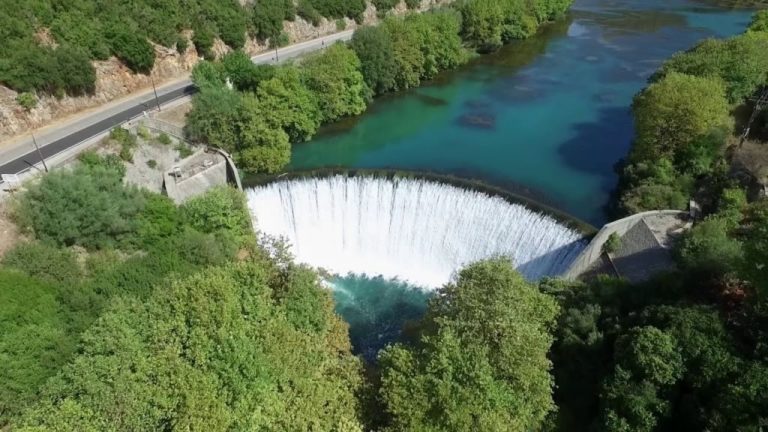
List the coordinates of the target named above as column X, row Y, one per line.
column 596, row 146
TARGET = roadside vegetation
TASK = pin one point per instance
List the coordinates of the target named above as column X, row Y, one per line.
column 257, row 112
column 124, row 311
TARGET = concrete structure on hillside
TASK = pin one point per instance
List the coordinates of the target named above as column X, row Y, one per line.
column 644, row 250
column 198, row 173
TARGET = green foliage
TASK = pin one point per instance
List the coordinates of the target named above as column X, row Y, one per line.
column 289, row 105
column 28, row 67
column 340, row 8
column 211, row 119
column 672, row 113
column 412, row 4
column 91, row 159
column 88, row 207
column 384, row 5
column 133, row 49
column 268, row 16
column 308, row 12
column 159, row 220
column 612, row 243
column 44, row 262
column 487, row 24
column 26, row 100
column 708, row 247
column 220, row 209
column 34, row 342
column 739, row 61
column 164, row 139
column 242, row 73
column 759, row 22
column 481, row 363
column 374, row 48
column 203, row 40
column 334, row 77
column 756, row 247
column 213, row 351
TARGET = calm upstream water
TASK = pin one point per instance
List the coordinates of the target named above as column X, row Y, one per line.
column 548, row 117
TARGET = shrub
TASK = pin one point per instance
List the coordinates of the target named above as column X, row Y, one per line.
column 164, row 139
column 26, row 100
column 143, row 132
column 308, row 12
column 89, row 207
column 412, row 4
column 133, row 49
column 220, row 209
column 113, row 163
column 181, row 44
column 152, row 163
column 184, row 150
column 45, row 262
column 382, row 6
column 341, row 25
column 203, row 41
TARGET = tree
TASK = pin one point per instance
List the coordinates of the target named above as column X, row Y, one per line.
column 264, row 147
column 212, row 351
column 675, row 111
column 243, row 73
column 289, row 104
column 406, row 52
column 133, row 49
column 335, row 77
column 35, row 341
column 709, row 248
column 759, row 22
column 221, row 209
column 481, row 363
column 374, row 48
column 756, row 246
column 88, row 207
column 212, row 118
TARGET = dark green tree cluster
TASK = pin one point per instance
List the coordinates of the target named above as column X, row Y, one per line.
column 683, row 121
column 488, row 24
column 402, row 52
column 275, row 106
column 481, row 360
column 90, row 344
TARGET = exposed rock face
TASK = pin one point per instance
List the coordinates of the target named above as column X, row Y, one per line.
column 114, row 80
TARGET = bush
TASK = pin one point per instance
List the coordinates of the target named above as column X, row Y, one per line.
column 339, row 8
column 612, row 244
column 341, row 25
column 308, row 12
column 220, row 209
column 382, row 6
column 44, row 262
column 143, row 132
column 184, row 150
column 152, row 163
column 164, row 139
column 181, row 44
column 26, row 100
column 133, row 49
column 112, row 163
column 88, row 207
column 203, row 41
column 412, row 4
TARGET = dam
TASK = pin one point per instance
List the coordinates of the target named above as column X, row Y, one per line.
column 412, row 230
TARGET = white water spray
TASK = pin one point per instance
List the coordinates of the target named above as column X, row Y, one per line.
column 414, row 230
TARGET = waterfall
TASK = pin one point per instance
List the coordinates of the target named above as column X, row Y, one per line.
column 414, row 230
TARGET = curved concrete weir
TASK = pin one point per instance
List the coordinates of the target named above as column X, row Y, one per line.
column 415, row 230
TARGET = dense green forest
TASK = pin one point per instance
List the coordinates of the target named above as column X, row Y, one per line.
column 257, row 112
column 127, row 312
column 85, row 30
column 688, row 116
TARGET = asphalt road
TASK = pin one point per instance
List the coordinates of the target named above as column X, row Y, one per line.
column 90, row 129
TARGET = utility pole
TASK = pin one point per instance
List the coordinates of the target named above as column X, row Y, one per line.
column 157, row 101
column 277, row 56
column 39, row 153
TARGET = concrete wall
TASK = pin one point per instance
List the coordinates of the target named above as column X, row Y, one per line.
column 595, row 248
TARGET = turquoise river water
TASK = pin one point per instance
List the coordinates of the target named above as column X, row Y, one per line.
column 548, row 117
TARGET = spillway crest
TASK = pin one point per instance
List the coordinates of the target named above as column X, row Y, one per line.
column 414, row 230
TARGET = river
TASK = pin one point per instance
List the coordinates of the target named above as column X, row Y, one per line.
column 548, row 117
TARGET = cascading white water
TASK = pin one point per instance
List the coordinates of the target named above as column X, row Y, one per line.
column 414, row 230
